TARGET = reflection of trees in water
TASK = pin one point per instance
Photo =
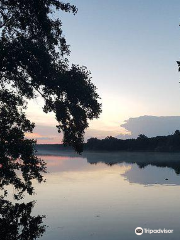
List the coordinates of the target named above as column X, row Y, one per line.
column 20, row 174
column 162, row 160
column 16, row 222
column 174, row 165
column 18, row 167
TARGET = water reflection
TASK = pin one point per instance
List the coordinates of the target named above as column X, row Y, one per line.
column 170, row 160
column 103, row 196
column 16, row 222
column 16, row 179
column 153, row 168
column 142, row 168
column 92, row 197
column 151, row 175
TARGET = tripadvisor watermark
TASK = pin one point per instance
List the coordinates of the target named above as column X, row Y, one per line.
column 140, row 231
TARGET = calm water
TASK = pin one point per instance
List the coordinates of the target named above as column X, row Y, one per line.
column 107, row 195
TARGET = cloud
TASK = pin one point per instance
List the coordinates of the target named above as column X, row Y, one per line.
column 149, row 125
column 152, row 125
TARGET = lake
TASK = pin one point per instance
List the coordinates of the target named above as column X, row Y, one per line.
column 105, row 196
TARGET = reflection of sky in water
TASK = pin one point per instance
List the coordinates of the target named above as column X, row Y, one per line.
column 152, row 175
column 96, row 201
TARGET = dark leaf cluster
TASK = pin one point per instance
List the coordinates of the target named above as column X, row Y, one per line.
column 19, row 164
column 33, row 61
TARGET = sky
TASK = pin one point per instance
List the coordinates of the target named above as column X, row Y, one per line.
column 131, row 48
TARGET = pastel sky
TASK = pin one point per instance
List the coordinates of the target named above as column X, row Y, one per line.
column 131, row 48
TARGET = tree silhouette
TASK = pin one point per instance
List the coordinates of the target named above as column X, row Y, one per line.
column 168, row 143
column 16, row 152
column 34, row 61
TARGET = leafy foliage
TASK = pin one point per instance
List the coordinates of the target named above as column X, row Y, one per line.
column 16, row 152
column 34, row 61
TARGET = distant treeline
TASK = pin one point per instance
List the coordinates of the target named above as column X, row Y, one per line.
column 168, row 143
